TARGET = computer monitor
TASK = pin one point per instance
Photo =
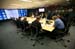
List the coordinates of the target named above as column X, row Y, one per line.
column 41, row 10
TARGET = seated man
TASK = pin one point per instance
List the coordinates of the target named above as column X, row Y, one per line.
column 18, row 22
column 59, row 25
column 36, row 26
column 25, row 24
column 63, row 19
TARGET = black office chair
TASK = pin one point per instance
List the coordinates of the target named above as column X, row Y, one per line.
column 61, row 34
column 35, row 32
column 19, row 26
column 26, row 29
column 67, row 29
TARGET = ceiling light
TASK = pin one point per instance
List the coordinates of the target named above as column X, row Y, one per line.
column 67, row 0
column 26, row 0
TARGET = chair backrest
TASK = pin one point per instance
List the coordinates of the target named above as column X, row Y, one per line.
column 34, row 28
column 67, row 28
column 25, row 24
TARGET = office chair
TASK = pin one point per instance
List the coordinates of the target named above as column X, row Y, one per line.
column 67, row 29
column 19, row 25
column 35, row 33
column 61, row 34
column 26, row 29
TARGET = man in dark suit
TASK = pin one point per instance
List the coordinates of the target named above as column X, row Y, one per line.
column 18, row 22
column 36, row 26
column 25, row 25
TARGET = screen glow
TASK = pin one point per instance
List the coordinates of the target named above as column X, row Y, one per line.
column 12, row 13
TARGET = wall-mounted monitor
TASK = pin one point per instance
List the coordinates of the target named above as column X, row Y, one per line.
column 9, row 13
column 41, row 9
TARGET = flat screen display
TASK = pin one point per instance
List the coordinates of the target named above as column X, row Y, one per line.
column 9, row 13
column 41, row 10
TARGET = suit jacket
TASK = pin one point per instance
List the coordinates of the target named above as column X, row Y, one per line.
column 26, row 24
column 37, row 25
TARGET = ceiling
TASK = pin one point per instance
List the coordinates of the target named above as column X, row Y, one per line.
column 28, row 3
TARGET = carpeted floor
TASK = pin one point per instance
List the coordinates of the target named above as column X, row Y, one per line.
column 9, row 39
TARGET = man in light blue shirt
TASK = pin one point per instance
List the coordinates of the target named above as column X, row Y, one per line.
column 58, row 23
column 59, row 27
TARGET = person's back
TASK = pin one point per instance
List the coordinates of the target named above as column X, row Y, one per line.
column 18, row 21
column 62, row 18
column 25, row 23
column 36, row 24
column 36, row 27
column 59, row 24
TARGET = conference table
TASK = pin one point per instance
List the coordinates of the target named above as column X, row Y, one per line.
column 45, row 26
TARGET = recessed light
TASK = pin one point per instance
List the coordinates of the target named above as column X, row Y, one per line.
column 26, row 0
column 67, row 0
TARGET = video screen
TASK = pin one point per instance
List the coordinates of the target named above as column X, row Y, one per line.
column 41, row 10
column 9, row 13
